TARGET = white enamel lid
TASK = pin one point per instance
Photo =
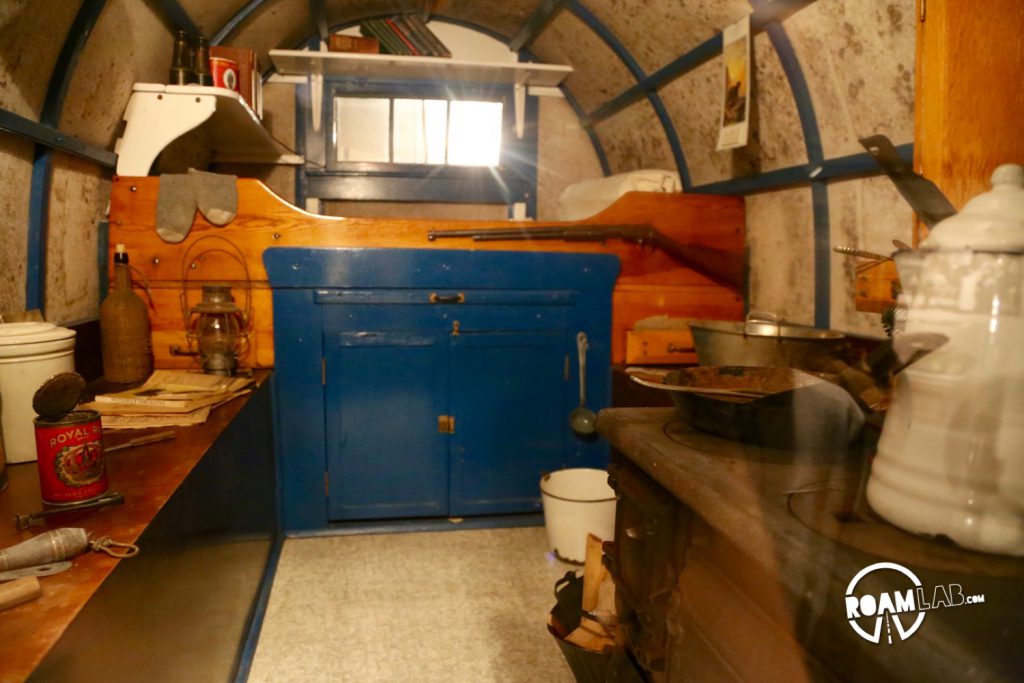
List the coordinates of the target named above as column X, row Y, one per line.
column 992, row 221
column 32, row 333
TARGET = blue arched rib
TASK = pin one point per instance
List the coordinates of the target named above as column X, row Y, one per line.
column 234, row 22
column 612, row 41
column 42, row 163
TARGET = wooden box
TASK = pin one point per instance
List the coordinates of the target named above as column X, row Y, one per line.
column 342, row 43
column 661, row 347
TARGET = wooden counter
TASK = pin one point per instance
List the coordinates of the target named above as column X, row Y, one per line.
column 770, row 542
column 148, row 476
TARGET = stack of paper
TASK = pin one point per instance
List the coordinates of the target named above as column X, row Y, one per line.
column 169, row 398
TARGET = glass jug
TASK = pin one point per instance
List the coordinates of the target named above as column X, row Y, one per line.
column 950, row 459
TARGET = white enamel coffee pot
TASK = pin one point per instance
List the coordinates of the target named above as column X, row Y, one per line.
column 950, row 460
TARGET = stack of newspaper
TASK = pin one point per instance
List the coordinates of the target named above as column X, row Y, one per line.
column 169, row 398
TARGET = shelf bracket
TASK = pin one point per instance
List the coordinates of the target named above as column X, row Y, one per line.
column 519, row 95
column 316, row 92
column 153, row 121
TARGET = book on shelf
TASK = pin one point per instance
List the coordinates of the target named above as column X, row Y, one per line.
column 393, row 25
column 435, row 47
column 402, row 25
column 404, row 34
column 389, row 42
column 339, row 42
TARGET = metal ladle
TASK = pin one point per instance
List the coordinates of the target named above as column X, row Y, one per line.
column 582, row 419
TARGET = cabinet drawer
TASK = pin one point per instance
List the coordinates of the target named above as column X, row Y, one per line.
column 443, row 297
column 664, row 347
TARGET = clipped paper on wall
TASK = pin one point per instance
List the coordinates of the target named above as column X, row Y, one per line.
column 736, row 85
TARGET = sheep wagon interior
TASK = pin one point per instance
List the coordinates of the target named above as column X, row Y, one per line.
column 537, row 340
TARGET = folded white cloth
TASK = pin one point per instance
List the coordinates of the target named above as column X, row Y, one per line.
column 588, row 197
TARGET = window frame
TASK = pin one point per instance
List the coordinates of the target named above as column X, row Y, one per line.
column 512, row 180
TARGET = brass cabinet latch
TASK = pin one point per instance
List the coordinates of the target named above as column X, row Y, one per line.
column 455, row 328
column 445, row 424
column 436, row 298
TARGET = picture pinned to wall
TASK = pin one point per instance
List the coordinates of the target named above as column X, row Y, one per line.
column 736, row 85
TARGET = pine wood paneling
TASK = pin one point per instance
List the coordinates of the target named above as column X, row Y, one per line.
column 650, row 282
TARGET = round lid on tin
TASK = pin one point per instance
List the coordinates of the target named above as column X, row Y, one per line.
column 58, row 395
column 31, row 333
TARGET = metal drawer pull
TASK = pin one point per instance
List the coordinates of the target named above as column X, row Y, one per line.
column 672, row 348
column 459, row 298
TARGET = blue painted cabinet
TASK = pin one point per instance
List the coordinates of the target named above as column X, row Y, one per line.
column 444, row 379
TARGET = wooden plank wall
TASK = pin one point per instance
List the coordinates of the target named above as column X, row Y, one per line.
column 650, row 282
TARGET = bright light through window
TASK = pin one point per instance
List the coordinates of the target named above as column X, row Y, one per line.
column 474, row 134
column 415, row 131
column 419, row 131
column 361, row 126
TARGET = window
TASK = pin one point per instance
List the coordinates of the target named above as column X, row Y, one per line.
column 417, row 141
column 417, row 131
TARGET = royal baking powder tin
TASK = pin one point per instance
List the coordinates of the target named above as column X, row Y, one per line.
column 69, row 443
column 224, row 73
column 69, row 453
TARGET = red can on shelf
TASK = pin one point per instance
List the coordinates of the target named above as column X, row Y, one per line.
column 224, row 72
column 69, row 443
column 70, row 450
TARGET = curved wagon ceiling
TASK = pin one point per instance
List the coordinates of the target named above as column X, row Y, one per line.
column 644, row 86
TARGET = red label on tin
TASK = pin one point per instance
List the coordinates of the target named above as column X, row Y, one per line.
column 70, row 459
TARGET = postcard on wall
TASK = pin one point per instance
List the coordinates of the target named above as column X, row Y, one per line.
column 736, row 85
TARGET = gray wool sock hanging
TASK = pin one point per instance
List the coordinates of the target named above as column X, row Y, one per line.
column 175, row 207
column 216, row 196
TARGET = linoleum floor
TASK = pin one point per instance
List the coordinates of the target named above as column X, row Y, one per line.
column 451, row 606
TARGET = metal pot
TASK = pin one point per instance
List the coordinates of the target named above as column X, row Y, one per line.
column 785, row 408
column 763, row 341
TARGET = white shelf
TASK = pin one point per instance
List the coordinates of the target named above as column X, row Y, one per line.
column 157, row 114
column 353, row 65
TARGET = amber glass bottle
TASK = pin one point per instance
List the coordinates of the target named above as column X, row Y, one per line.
column 124, row 328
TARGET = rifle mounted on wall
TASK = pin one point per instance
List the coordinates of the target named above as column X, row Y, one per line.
column 724, row 268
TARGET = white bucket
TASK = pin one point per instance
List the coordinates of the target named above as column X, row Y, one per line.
column 30, row 354
column 577, row 502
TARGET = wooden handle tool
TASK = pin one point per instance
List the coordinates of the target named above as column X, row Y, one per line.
column 13, row 593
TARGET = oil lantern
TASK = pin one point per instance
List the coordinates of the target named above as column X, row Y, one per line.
column 219, row 330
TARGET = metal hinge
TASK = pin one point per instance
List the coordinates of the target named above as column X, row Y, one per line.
column 323, row 371
column 327, row 485
column 923, row 10
column 445, row 424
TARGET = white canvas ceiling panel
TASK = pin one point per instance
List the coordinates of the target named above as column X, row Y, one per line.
column 345, row 12
column 694, row 102
column 129, row 44
column 634, row 139
column 780, row 236
column 858, row 58
column 78, row 199
column 564, row 155
column 31, row 35
column 210, row 17
column 598, row 75
column 657, row 33
column 780, row 138
column 15, row 180
column 278, row 24
column 503, row 18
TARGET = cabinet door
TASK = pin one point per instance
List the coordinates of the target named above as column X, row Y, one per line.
column 384, row 393
column 509, row 401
